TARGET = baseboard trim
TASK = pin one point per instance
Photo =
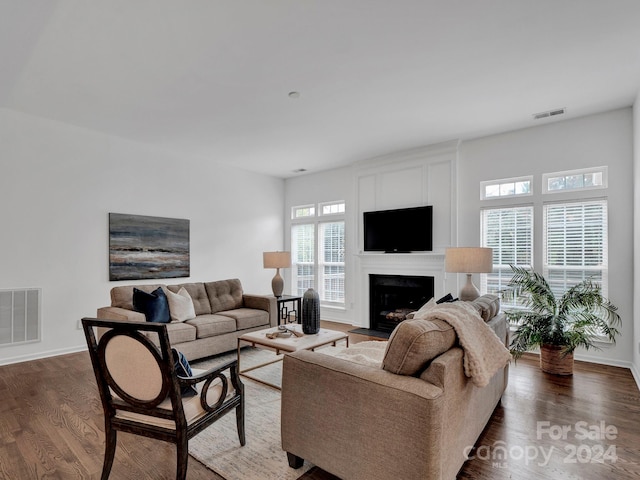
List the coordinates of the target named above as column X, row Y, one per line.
column 41, row 355
column 603, row 361
column 636, row 374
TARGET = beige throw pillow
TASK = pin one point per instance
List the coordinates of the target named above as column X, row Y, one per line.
column 180, row 305
column 414, row 343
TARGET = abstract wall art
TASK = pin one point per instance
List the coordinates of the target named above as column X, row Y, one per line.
column 143, row 247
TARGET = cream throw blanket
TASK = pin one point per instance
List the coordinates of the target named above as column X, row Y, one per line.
column 484, row 352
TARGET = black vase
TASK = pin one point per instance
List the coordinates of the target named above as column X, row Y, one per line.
column 310, row 312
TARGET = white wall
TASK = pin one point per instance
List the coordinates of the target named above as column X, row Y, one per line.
column 57, row 185
column 596, row 140
column 636, row 237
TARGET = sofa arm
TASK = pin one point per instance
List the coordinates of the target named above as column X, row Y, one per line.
column 117, row 313
column 336, row 414
column 262, row 302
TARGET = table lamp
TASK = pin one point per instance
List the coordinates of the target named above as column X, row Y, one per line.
column 468, row 260
column 277, row 260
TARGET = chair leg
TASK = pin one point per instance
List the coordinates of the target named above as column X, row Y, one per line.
column 109, row 450
column 182, row 448
column 240, row 423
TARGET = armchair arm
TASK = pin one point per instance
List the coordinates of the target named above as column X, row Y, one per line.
column 117, row 313
column 208, row 377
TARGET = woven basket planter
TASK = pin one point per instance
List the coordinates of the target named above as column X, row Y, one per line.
column 554, row 361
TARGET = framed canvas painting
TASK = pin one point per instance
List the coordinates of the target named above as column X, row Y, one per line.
column 143, row 247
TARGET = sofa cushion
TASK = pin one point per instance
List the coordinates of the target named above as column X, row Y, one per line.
column 487, row 306
column 224, row 294
column 212, row 325
column 177, row 332
column 122, row 296
column 247, row 317
column 154, row 305
column 414, row 343
column 198, row 296
column 180, row 305
column 180, row 332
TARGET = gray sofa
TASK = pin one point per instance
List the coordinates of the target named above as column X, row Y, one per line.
column 222, row 310
column 359, row 421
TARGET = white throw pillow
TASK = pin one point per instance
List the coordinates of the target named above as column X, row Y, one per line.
column 180, row 305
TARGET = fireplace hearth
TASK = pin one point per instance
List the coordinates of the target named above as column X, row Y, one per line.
column 392, row 297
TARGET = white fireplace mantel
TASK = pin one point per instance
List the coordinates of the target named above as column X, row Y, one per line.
column 420, row 264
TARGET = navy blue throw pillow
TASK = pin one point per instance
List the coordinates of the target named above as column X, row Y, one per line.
column 154, row 305
column 183, row 369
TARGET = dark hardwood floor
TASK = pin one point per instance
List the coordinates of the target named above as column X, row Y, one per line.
column 51, row 427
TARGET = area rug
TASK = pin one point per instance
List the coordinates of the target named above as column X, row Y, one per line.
column 262, row 458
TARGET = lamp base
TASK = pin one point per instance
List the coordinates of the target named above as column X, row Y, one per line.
column 469, row 291
column 277, row 284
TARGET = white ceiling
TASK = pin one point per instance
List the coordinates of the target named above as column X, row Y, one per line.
column 211, row 78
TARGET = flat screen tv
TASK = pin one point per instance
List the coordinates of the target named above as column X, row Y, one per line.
column 401, row 230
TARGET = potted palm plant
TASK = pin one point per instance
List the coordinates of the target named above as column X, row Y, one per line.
column 558, row 325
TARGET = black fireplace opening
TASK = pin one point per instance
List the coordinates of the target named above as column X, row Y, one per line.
column 393, row 297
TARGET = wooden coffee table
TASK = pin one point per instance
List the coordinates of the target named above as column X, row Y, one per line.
column 286, row 344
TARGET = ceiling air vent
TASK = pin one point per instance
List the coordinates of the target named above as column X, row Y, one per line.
column 550, row 113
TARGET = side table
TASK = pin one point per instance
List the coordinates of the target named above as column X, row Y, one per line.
column 284, row 311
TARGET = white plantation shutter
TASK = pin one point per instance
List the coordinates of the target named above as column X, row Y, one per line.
column 575, row 244
column 303, row 257
column 509, row 232
column 331, row 262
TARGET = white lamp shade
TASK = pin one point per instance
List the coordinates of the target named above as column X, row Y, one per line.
column 468, row 260
column 276, row 259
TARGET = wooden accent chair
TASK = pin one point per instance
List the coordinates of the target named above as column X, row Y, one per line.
column 141, row 393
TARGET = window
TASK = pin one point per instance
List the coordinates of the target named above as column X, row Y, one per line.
column 303, row 211
column 575, row 241
column 588, row 178
column 572, row 232
column 509, row 232
column 317, row 251
column 509, row 187
column 331, row 208
column 303, row 257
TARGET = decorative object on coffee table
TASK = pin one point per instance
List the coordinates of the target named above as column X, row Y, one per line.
column 558, row 325
column 311, row 312
column 277, row 260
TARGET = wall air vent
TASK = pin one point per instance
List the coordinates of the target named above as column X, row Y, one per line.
column 550, row 113
column 19, row 316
